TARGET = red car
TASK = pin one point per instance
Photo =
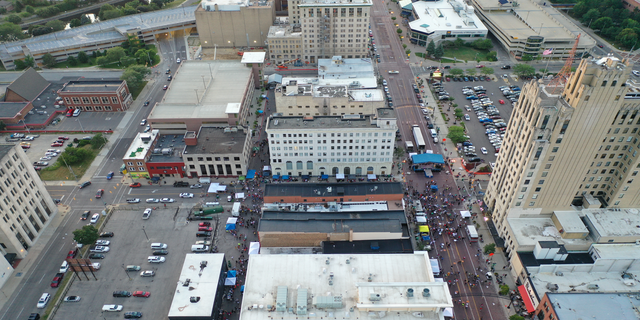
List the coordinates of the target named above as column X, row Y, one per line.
column 204, row 224
column 165, row 87
column 99, row 193
column 205, row 229
column 144, row 294
column 135, row 185
column 56, row 144
column 56, row 280
column 63, row 138
column 501, row 101
column 71, row 254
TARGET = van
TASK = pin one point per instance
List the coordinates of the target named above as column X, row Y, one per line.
column 434, row 133
column 199, row 248
column 76, row 112
column 158, row 245
column 43, row 301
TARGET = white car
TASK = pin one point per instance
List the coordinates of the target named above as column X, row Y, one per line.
column 146, row 214
column 483, row 150
column 103, row 242
column 425, row 111
column 466, row 117
column 112, row 307
column 95, row 217
column 133, row 200
column 152, row 200
column 143, row 122
column 178, row 60
column 147, row 128
column 186, row 195
column 45, row 158
column 64, row 267
column 167, row 200
column 156, row 259
column 99, row 249
column 96, row 265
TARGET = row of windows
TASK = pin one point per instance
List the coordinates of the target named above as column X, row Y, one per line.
column 310, row 154
column 96, row 108
column 333, row 12
column 214, row 158
column 333, row 134
column 94, row 100
column 289, row 164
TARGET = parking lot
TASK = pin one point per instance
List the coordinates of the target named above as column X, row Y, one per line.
column 39, row 146
column 476, row 130
column 131, row 245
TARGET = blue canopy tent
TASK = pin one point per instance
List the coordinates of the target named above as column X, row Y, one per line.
column 324, row 177
column 251, row 174
column 276, row 177
column 285, row 177
column 427, row 158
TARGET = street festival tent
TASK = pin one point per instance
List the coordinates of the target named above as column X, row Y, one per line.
column 231, row 224
column 254, row 248
column 216, row 187
column 421, row 219
column 240, row 195
column 231, row 278
column 465, row 214
column 427, row 158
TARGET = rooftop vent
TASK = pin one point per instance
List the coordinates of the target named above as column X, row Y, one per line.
column 301, row 308
column 410, row 293
column 186, row 282
column 375, row 297
column 426, row 293
column 194, row 299
column 281, row 300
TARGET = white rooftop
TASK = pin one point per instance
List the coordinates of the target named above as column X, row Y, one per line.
column 342, row 286
column 334, row 3
column 578, row 282
column 611, row 223
column 138, row 148
column 367, row 95
column 253, row 57
column 283, row 31
column 571, row 222
column 529, row 231
column 203, row 283
column 337, row 70
column 445, row 16
column 616, row 251
column 203, row 89
column 332, row 207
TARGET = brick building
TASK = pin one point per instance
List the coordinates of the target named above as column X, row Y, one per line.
column 332, row 192
column 217, row 152
column 97, row 95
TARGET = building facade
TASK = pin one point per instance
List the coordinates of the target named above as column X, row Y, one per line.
column 284, row 44
column 26, row 206
column 224, row 23
column 332, row 28
column 217, row 152
column 567, row 149
column 97, row 95
column 331, row 145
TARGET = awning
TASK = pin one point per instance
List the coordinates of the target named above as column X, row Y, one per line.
column 427, row 158
column 324, row 177
column 241, row 178
column 232, row 220
column 465, row 214
column 526, row 299
column 276, row 176
column 251, row 174
column 371, row 177
column 254, row 248
column 285, row 177
column 155, row 178
column 424, row 229
column 204, row 180
column 339, row 175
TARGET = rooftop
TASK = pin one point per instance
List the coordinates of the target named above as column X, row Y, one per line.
column 82, row 86
column 284, row 32
column 445, row 16
column 351, row 121
column 141, row 145
column 44, row 102
column 364, row 247
column 326, row 207
column 595, row 306
column 232, row 5
column 570, row 221
column 5, row 148
column 341, row 285
column 101, row 32
column 568, row 281
column 529, row 231
column 332, row 189
column 253, row 57
column 312, row 87
column 357, row 73
column 203, row 89
column 612, row 223
column 169, row 148
column 29, row 84
column 11, row 109
column 330, row 222
column 386, row 113
column 335, row 2
column 528, row 19
column 218, row 141
column 203, row 283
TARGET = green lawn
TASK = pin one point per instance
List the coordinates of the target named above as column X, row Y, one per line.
column 173, row 4
column 63, row 173
column 466, row 53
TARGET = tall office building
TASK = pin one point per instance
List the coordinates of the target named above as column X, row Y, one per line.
column 332, row 27
column 578, row 147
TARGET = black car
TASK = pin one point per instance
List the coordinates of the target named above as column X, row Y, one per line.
column 96, row 256
column 506, row 67
column 447, row 67
column 85, row 215
column 106, row 235
column 474, row 159
column 34, row 316
column 181, row 184
column 168, row 71
column 429, row 125
column 121, row 294
column 146, row 103
column 132, row 315
column 160, row 252
column 203, row 234
column 85, row 184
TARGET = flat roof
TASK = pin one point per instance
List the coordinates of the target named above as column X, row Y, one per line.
column 46, row 99
column 82, row 86
column 616, row 251
column 595, row 306
column 11, row 109
column 330, row 226
column 578, row 281
column 366, row 82
column 101, row 32
column 529, row 231
column 332, row 189
column 203, row 283
column 253, row 57
column 5, row 148
column 291, row 87
column 139, row 148
column 203, row 89
column 530, row 19
column 364, row 246
column 173, row 142
column 612, row 223
column 284, row 32
column 218, row 141
column 326, row 207
column 351, row 121
column 307, row 215
column 571, row 222
column 334, row 3
column 446, row 16
column 319, row 285
column 386, row 113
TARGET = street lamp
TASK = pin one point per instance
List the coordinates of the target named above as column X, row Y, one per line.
column 127, row 272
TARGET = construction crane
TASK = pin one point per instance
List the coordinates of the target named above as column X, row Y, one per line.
column 564, row 74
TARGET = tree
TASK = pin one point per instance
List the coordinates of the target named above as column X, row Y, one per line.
column 82, row 57
column 75, row 23
column 504, row 290
column 431, row 48
column 408, row 52
column 100, row 61
column 471, row 71
column 112, row 14
column 439, row 51
column 84, row 19
column 456, row 72
column 115, row 54
column 458, row 113
column 18, row 6
column 487, row 70
column 627, row 37
column 72, row 61
column 482, row 44
column 48, row 60
column 56, row 25
column 522, row 69
column 47, row 12
column 75, row 155
column 490, row 248
column 601, row 23
column 527, row 57
column 456, row 133
column 13, row 18
column 158, row 3
column 10, row 32
column 103, row 9
column 2, row 125
column 134, row 76
column 98, row 141
column 516, row 317
column 458, row 43
column 590, row 16
column 19, row 64
column 492, row 56
column 30, row 9
column 87, row 235
column 29, row 62
column 399, row 31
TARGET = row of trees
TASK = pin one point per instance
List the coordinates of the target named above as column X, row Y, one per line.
column 110, row 12
column 610, row 19
column 471, row 71
column 481, row 44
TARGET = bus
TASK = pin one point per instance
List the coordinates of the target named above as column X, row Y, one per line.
column 409, row 146
column 417, row 135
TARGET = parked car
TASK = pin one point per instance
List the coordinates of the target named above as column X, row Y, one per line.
column 146, row 214
column 121, row 294
column 71, row 298
column 156, row 259
column 106, row 235
column 103, row 242
column 96, row 256
column 148, row 273
column 112, row 307
column 57, row 279
column 133, row 200
column 99, row 249
column 135, row 185
column 152, row 200
column 160, row 252
column 132, row 315
column 167, row 200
